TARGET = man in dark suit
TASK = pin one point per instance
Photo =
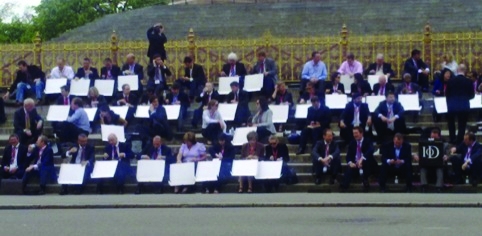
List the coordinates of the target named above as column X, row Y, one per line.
column 194, row 78
column 466, row 160
column 382, row 87
column 326, row 158
column 397, row 161
column 14, row 159
column 233, row 67
column 389, row 118
column 116, row 151
column 84, row 154
column 335, row 86
column 409, row 87
column 158, row 74
column 28, row 77
column 87, row 71
column 132, row 68
column 63, row 99
column 459, row 92
column 318, row 119
column 240, row 97
column 355, row 114
column 157, row 39
column 42, row 165
column 267, row 67
column 379, row 67
column 207, row 95
column 27, row 122
column 158, row 120
column 418, row 70
column 178, row 97
column 359, row 158
column 276, row 151
column 157, row 150
column 127, row 98
column 110, row 71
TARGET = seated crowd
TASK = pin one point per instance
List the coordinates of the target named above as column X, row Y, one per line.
column 30, row 152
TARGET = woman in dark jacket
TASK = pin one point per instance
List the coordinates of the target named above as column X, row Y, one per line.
column 360, row 86
column 225, row 152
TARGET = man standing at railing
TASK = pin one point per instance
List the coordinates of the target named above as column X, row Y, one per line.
column 29, row 77
column 314, row 71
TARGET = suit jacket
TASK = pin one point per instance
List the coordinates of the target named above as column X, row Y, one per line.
column 197, row 74
column 19, row 120
column 348, row 113
column 388, row 87
column 156, row 44
column 115, row 71
column 60, row 100
column 205, row 98
column 307, row 96
column 239, row 69
column 132, row 98
column 100, row 99
column 388, row 152
column 115, row 119
column 287, row 97
column 365, row 88
column 47, row 159
column 92, row 76
column 475, row 153
column 149, row 150
column 123, row 148
column 282, row 152
column 164, row 71
column 415, row 88
column 412, row 69
column 229, row 151
column 89, row 154
column 181, row 97
column 387, row 69
column 320, row 148
column 366, row 148
column 321, row 115
column 439, row 85
column 33, row 72
column 397, row 109
column 22, row 159
column 138, row 70
column 259, row 151
column 159, row 116
column 243, row 98
column 459, row 93
column 269, row 66
column 329, row 88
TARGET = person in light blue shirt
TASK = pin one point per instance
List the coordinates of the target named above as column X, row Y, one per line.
column 76, row 124
column 314, row 71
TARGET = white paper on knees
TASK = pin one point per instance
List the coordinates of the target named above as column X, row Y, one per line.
column 172, row 111
column 280, row 113
column 225, row 84
column 105, row 87
column 91, row 113
column 228, row 111
column 347, row 81
column 410, row 102
column 120, row 110
column 373, row 102
column 142, row 111
column 244, row 168
column 150, row 170
column 269, row 170
column 253, row 83
column 302, row 111
column 104, row 169
column 79, row 87
column 52, row 86
column 118, row 130
column 58, row 112
column 208, row 170
column 182, row 174
column 240, row 135
column 336, row 101
column 131, row 80
column 71, row 174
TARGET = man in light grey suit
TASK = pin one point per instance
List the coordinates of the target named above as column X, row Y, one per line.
column 266, row 66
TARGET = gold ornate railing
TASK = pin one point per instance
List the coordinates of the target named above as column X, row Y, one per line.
column 290, row 53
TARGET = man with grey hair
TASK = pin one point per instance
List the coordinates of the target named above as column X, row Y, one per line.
column 131, row 67
column 233, row 67
column 62, row 70
column 382, row 87
column 379, row 67
column 459, row 92
column 27, row 123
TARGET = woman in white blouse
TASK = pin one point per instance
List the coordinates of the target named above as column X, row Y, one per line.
column 213, row 123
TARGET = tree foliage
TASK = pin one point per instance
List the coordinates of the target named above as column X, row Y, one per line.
column 54, row 17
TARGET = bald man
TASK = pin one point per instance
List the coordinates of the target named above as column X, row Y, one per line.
column 157, row 150
column 62, row 70
column 380, row 67
column 121, row 152
column 27, row 123
column 208, row 94
column 382, row 87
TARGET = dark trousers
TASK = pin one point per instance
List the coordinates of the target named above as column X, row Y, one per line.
column 307, row 134
column 197, row 116
column 158, row 88
column 212, row 131
column 332, row 170
column 88, row 170
column 121, row 173
column 26, row 140
column 195, row 87
column 70, row 132
column 384, row 133
column 162, row 129
column 473, row 172
column 7, row 175
column 352, row 172
column 242, row 115
column 421, row 80
column 404, row 170
column 268, row 87
column 45, row 174
column 347, row 132
column 461, row 117
column 263, row 133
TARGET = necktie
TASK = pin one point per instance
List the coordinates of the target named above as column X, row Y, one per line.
column 281, row 98
column 358, row 151
column 114, row 152
column 27, row 121
column 131, row 68
column 232, row 72
column 158, row 77
column 275, row 153
column 467, row 156
column 409, row 88
column 66, row 101
column 82, row 149
column 236, row 96
column 475, row 86
column 109, row 75
column 156, row 152
column 390, row 116
column 12, row 159
column 327, row 150
column 357, row 116
column 382, row 89
column 80, row 156
column 261, row 68
column 335, row 88
column 397, row 153
column 209, row 97
column 127, row 99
